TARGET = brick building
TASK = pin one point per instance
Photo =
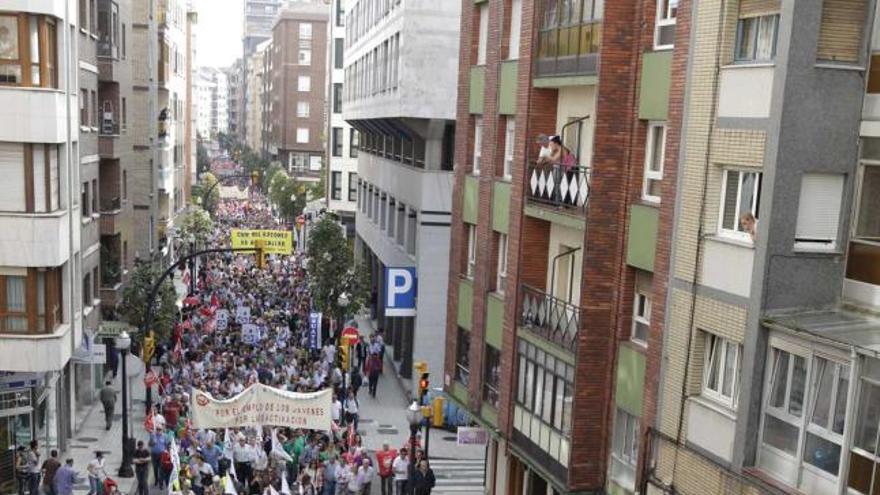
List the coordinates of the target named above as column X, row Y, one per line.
column 295, row 89
column 557, row 274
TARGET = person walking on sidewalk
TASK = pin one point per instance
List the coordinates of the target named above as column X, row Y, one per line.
column 385, row 461
column 373, row 369
column 108, row 400
column 158, row 444
column 96, row 474
column 142, row 469
column 400, row 468
column 33, row 468
column 65, row 478
column 21, row 469
column 49, row 469
column 366, row 472
column 351, row 410
column 422, row 479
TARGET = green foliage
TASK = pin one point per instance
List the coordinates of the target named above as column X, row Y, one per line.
column 133, row 306
column 203, row 163
column 281, row 189
column 205, row 184
column 333, row 271
column 196, row 222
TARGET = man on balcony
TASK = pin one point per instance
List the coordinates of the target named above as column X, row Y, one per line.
column 544, row 155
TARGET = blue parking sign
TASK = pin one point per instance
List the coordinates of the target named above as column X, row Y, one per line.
column 400, row 291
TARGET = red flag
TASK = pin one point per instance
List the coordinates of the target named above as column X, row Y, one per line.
column 186, row 277
column 148, row 423
column 190, row 301
column 215, row 302
column 150, row 378
column 178, row 349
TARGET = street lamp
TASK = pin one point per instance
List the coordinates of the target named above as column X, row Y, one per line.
column 414, row 416
column 123, row 343
column 192, row 264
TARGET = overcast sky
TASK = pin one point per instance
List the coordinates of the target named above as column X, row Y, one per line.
column 218, row 32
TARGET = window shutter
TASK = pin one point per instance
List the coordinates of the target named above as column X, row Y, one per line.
column 12, row 194
column 840, row 35
column 752, row 8
column 819, row 209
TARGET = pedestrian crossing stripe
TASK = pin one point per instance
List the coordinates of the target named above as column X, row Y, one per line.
column 458, row 476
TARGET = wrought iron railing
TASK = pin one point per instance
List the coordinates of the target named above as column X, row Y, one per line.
column 558, row 185
column 551, row 317
column 111, row 204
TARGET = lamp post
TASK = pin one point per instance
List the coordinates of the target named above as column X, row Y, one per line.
column 414, row 416
column 123, row 343
column 192, row 264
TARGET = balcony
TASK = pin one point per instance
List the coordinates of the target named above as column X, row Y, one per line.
column 561, row 187
column 110, row 217
column 107, row 140
column 569, row 38
column 550, row 317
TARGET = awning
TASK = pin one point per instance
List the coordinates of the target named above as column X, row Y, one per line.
column 838, row 326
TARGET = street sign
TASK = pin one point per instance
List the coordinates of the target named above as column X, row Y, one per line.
column 350, row 332
column 274, row 241
column 114, row 329
column 400, row 291
column 314, row 330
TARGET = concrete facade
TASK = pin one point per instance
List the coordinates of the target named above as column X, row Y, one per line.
column 404, row 160
column 213, row 102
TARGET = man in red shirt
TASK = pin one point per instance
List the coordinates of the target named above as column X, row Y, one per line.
column 384, row 460
column 172, row 410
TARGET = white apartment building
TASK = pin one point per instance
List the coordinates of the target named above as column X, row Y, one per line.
column 213, row 105
column 254, row 91
column 342, row 139
column 400, row 82
column 41, row 307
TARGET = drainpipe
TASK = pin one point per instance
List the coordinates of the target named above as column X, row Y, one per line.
column 70, row 70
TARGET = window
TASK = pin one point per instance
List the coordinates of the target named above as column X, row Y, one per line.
column 87, row 290
column 302, row 109
column 340, row 14
column 803, row 416
column 501, row 279
column 462, row 357
column 95, row 196
column 336, row 185
column 28, row 50
column 641, row 317
column 756, row 38
column 304, row 83
column 94, row 113
column 472, row 250
column 478, row 144
column 336, row 141
column 353, row 143
column 721, row 370
column 84, row 107
column 337, row 97
column 352, row 186
column 305, row 31
column 625, row 449
column 664, row 31
column 819, row 211
column 492, row 376
column 85, row 202
column 740, row 203
column 483, row 34
column 515, row 28
column 302, row 135
column 655, row 151
column 15, row 309
column 544, row 390
column 338, row 57
column 305, row 56
column 509, row 138
column 841, row 31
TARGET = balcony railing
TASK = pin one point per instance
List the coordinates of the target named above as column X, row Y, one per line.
column 112, row 204
column 548, row 316
column 558, row 185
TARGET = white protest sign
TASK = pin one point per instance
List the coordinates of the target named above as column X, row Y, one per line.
column 261, row 405
column 243, row 315
column 250, row 333
column 222, row 319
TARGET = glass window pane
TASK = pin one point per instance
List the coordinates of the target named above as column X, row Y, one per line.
column 868, row 224
column 8, row 37
column 15, row 294
column 868, row 418
column 548, row 396
column 729, row 369
column 798, row 384
column 714, row 363
column 840, row 404
column 746, row 31
column 766, row 39
column 823, row 381
column 729, row 218
column 780, row 378
column 780, row 434
column 821, row 453
column 748, row 198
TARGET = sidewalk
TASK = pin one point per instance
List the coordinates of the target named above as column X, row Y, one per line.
column 91, row 436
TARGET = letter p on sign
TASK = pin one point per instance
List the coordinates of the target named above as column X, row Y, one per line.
column 400, row 291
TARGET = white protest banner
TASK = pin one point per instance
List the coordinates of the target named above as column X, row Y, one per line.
column 250, row 334
column 222, row 319
column 261, row 405
column 243, row 315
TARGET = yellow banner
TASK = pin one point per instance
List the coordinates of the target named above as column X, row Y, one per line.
column 274, row 241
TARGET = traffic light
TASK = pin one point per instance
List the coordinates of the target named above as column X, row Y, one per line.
column 149, row 347
column 437, row 414
column 260, row 256
column 423, row 387
column 343, row 357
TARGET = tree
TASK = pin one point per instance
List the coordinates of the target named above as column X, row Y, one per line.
column 197, row 223
column 333, row 270
column 203, row 163
column 133, row 306
column 206, row 183
column 280, row 191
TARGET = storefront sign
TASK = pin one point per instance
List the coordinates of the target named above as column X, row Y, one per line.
column 400, row 291
column 113, row 329
column 472, row 436
column 314, row 330
column 261, row 405
column 274, row 241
